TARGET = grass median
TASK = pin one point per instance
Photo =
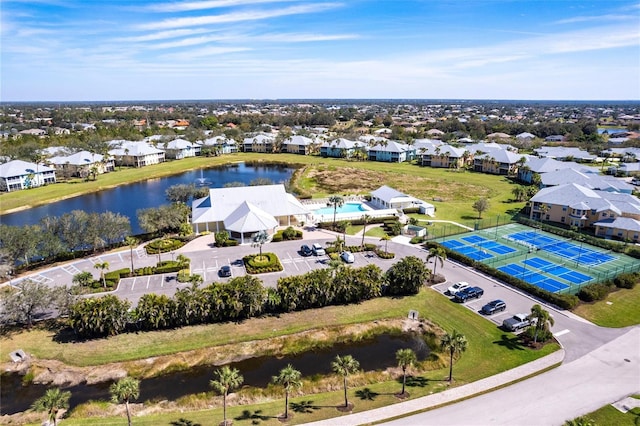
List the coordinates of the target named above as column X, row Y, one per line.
column 619, row 309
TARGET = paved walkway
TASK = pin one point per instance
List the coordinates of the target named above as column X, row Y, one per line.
column 444, row 397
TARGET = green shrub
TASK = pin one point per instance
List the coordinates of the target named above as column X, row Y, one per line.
column 628, row 280
column 277, row 237
column 417, row 240
column 593, row 292
column 271, row 265
column 183, row 276
column 382, row 255
column 231, row 243
column 164, row 245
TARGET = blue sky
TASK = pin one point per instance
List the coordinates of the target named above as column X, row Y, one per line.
column 89, row 50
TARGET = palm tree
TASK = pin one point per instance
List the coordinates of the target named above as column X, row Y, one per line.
column 131, row 242
column 102, row 266
column 455, row 343
column 52, row 402
column 228, row 379
column 542, row 318
column 406, row 358
column 289, row 378
column 365, row 221
column 124, row 391
column 258, row 239
column 344, row 366
column 337, row 201
column 438, row 254
column 386, row 239
column 343, row 226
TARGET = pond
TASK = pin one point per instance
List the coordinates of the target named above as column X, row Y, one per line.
column 377, row 353
column 127, row 199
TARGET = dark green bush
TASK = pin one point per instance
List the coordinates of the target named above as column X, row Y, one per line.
column 417, row 240
column 277, row 237
column 164, row 245
column 230, row 243
column 593, row 292
column 382, row 255
column 628, row 280
column 272, row 265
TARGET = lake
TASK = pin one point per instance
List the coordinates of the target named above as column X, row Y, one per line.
column 127, row 199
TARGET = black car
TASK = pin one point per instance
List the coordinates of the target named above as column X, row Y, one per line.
column 305, row 250
column 225, row 271
column 493, row 307
column 468, row 293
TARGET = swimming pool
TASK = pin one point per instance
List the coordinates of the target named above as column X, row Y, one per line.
column 345, row 208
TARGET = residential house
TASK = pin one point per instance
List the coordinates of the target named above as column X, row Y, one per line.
column 386, row 197
column 537, row 166
column 178, row 149
column 259, row 143
column 525, row 137
column 443, row 156
column 137, row 154
column 82, row 164
column 435, row 133
column 343, row 148
column 299, row 145
column 218, row 145
column 243, row 211
column 391, row 152
column 17, row 174
column 498, row 162
column 563, row 153
column 610, row 214
column 554, row 138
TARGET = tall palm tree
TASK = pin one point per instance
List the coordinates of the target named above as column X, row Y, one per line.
column 365, row 221
column 228, row 379
column 386, row 239
column 258, row 239
column 438, row 254
column 337, row 201
column 455, row 343
column 406, row 358
column 52, row 402
column 344, row 366
column 131, row 242
column 102, row 266
column 343, row 226
column 124, row 391
column 542, row 319
column 289, row 378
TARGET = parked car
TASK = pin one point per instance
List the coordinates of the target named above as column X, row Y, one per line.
column 225, row 271
column 318, row 250
column 305, row 250
column 347, row 256
column 468, row 293
column 458, row 287
column 493, row 307
column 517, row 322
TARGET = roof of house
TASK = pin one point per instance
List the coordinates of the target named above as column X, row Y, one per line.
column 525, row 135
column 620, row 222
column 299, row 140
column 21, row 168
column 82, row 158
column 547, row 164
column 563, row 152
column 249, row 218
column 390, row 195
column 502, row 156
column 179, row 144
column 218, row 140
column 135, row 149
column 227, row 204
column 588, row 180
column 577, row 196
column 444, row 149
column 342, row 143
column 391, row 146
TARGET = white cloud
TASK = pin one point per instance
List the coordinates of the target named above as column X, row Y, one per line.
column 203, row 5
column 237, row 16
column 162, row 35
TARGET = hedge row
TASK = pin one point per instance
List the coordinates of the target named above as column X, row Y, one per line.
column 564, row 301
column 164, row 267
column 113, row 277
column 272, row 265
column 600, row 291
column 287, row 234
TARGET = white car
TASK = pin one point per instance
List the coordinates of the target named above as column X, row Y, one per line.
column 318, row 250
column 347, row 256
column 457, row 287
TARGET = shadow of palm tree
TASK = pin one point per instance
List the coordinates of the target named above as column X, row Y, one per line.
column 366, row 394
column 255, row 416
column 303, row 407
column 415, row 382
column 184, row 422
column 512, row 343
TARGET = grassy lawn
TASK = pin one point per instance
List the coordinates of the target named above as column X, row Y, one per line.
column 487, row 344
column 323, row 177
column 620, row 309
column 608, row 415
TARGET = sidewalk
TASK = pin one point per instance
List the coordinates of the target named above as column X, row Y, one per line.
column 445, row 397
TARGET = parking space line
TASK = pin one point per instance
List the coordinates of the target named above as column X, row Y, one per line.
column 133, row 284
column 148, row 281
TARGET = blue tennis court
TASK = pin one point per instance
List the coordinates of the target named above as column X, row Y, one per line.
column 559, row 247
column 469, row 251
column 557, row 270
column 488, row 244
column 533, row 277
